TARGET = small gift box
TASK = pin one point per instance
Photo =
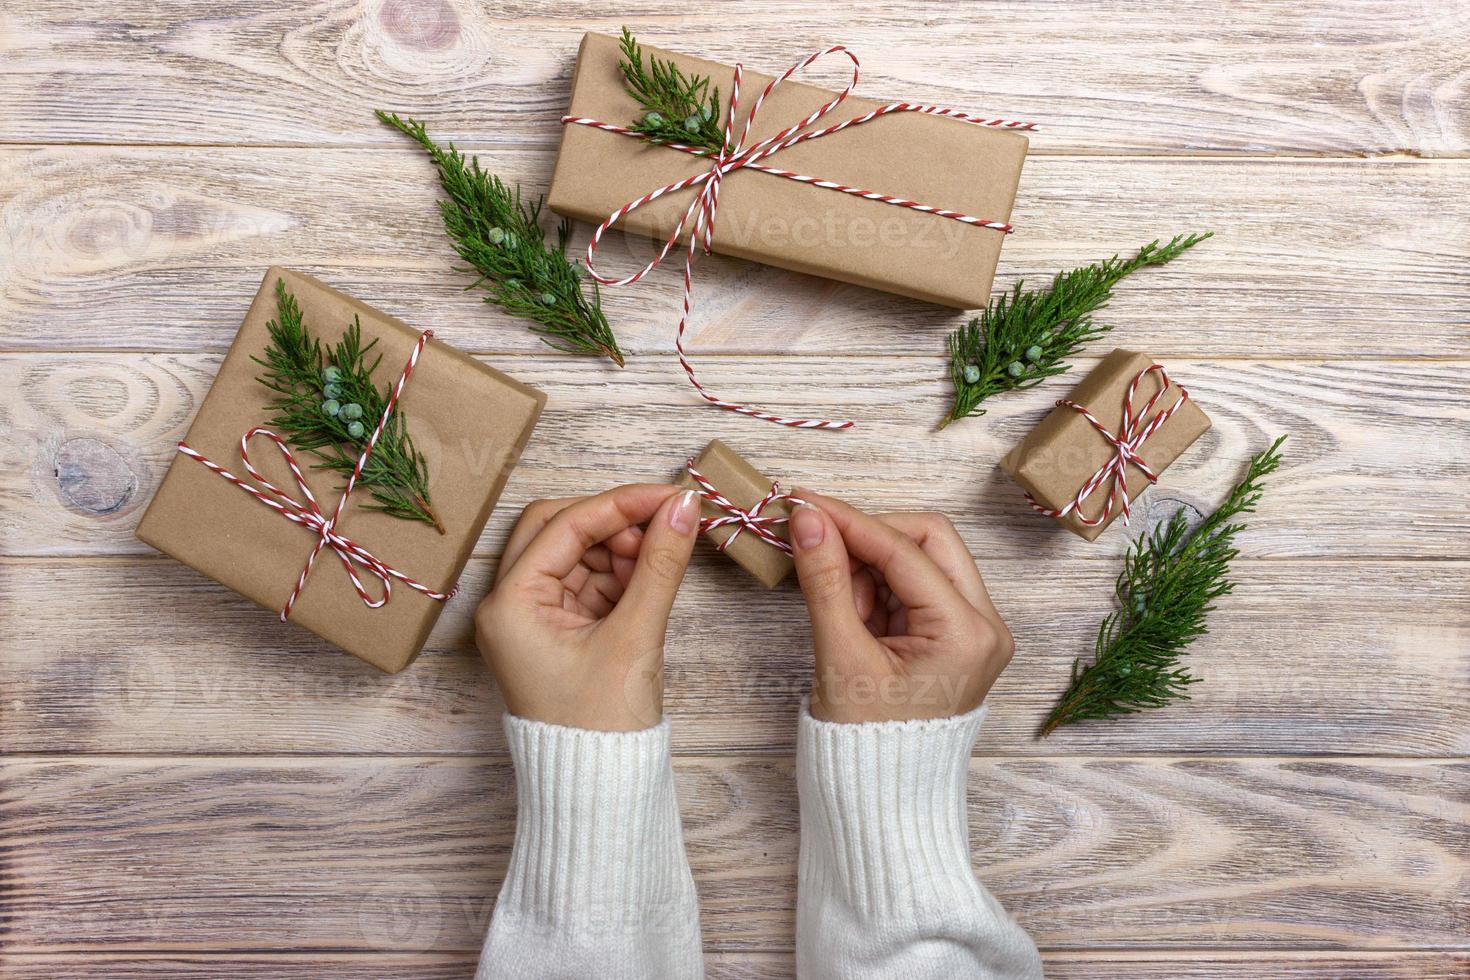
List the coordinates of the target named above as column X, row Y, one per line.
column 744, row 513
column 1121, row 426
column 838, row 219
column 245, row 506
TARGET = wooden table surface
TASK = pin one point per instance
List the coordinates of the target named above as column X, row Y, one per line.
column 188, row 788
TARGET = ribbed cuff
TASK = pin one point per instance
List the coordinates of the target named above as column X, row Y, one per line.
column 883, row 821
column 597, row 829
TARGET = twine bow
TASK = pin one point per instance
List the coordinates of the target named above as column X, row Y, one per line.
column 308, row 513
column 1126, row 443
column 752, row 520
column 735, row 155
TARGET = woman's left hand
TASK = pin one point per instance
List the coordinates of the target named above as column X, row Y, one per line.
column 574, row 628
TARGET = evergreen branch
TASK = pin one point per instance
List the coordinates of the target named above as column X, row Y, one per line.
column 678, row 108
column 326, row 404
column 1026, row 336
column 499, row 235
column 1168, row 586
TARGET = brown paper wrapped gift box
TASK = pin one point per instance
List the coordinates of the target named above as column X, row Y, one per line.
column 470, row 422
column 1064, row 450
column 930, row 159
column 744, row 486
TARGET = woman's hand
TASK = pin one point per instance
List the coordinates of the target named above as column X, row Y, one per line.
column 574, row 628
column 901, row 620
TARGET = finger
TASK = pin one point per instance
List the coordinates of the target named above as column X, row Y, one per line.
column 533, row 518
column 864, row 592
column 623, row 550
column 623, row 569
column 598, row 559
column 879, row 617
column 938, row 539
column 626, row 542
column 898, row 622
column 574, row 529
column 826, row 581
column 659, row 569
column 576, row 578
column 599, row 594
column 911, row 575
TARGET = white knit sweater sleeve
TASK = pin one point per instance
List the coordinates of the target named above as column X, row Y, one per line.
column 598, row 883
column 885, row 887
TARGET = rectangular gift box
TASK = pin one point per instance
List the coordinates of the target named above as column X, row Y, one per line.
column 468, row 420
column 935, row 161
column 1064, row 450
column 744, row 486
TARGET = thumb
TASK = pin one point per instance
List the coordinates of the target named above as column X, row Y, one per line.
column 663, row 555
column 826, row 580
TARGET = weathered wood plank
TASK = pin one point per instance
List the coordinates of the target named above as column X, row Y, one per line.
column 407, row 854
column 86, row 438
column 326, row 966
column 145, row 655
column 211, row 966
column 1370, row 76
column 1275, row 965
column 342, row 966
column 1215, row 965
column 162, row 248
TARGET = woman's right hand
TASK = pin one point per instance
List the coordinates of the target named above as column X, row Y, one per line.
column 902, row 623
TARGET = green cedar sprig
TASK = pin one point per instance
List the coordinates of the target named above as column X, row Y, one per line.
column 1026, row 336
column 678, row 108
column 326, row 404
column 1170, row 581
column 499, row 235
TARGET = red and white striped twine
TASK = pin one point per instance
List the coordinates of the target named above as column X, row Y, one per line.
column 310, row 515
column 1132, row 434
column 751, row 520
column 699, row 217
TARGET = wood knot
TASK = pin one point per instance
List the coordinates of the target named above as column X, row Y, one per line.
column 92, row 477
column 427, row 25
column 109, row 228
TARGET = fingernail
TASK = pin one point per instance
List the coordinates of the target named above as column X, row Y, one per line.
column 807, row 526
column 685, row 513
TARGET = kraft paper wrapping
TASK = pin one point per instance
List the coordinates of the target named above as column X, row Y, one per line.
column 1065, row 450
column 744, row 486
column 930, row 159
column 470, row 421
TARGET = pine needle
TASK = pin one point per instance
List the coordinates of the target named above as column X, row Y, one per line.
column 309, row 380
column 1170, row 581
column 499, row 235
column 1026, row 336
column 678, row 108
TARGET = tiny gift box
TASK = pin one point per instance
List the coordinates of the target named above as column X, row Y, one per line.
column 834, row 222
column 744, row 513
column 216, row 512
column 1120, row 427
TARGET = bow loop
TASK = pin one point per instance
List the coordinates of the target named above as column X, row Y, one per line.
column 310, row 515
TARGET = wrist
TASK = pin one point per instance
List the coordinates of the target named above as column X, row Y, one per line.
column 600, row 719
column 572, row 686
column 847, row 697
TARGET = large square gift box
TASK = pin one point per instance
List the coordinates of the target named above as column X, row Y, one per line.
column 469, row 421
